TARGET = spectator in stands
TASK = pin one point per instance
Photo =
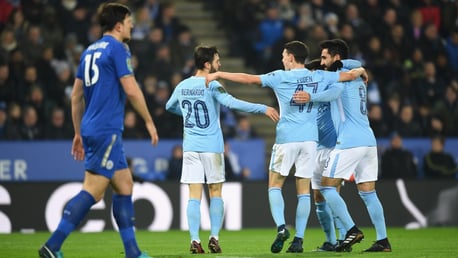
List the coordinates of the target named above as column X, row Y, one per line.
column 17, row 23
column 437, row 164
column 14, row 121
column 162, row 65
column 447, row 109
column 361, row 28
column 269, row 30
column 391, row 109
column 175, row 163
column 30, row 128
column 397, row 162
column 37, row 100
column 406, row 123
column 7, row 87
column 143, row 23
column 451, row 46
column 167, row 20
column 377, row 123
column 234, row 170
column 132, row 129
column 414, row 29
column 431, row 43
column 182, row 50
column 33, row 45
column 430, row 88
column 58, row 128
column 244, row 130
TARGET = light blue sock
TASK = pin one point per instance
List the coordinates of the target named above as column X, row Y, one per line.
column 302, row 214
column 324, row 214
column 277, row 205
column 74, row 212
column 338, row 206
column 193, row 213
column 340, row 228
column 216, row 215
column 375, row 209
column 123, row 212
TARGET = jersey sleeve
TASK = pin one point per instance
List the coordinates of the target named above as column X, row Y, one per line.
column 122, row 60
column 351, row 63
column 271, row 79
column 229, row 101
column 173, row 105
column 334, row 89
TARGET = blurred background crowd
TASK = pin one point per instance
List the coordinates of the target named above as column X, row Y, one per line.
column 409, row 47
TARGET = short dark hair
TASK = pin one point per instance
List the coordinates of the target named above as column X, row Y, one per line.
column 109, row 14
column 298, row 49
column 203, row 54
column 315, row 64
column 336, row 47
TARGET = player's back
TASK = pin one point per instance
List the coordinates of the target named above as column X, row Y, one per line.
column 200, row 111
column 297, row 121
column 354, row 129
column 102, row 64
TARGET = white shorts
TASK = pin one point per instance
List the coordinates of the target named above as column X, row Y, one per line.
column 322, row 156
column 300, row 154
column 203, row 167
column 362, row 161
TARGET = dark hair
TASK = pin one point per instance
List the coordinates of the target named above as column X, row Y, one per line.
column 336, row 47
column 298, row 49
column 315, row 64
column 111, row 13
column 203, row 54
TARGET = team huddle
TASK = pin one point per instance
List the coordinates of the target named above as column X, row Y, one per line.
column 322, row 104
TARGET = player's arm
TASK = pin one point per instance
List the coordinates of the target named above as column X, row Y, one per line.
column 136, row 98
column 353, row 74
column 332, row 93
column 233, row 103
column 243, row 78
column 77, row 100
column 172, row 105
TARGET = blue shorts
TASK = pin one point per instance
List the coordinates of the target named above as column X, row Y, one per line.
column 104, row 154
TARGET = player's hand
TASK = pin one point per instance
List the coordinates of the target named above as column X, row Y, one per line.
column 77, row 147
column 272, row 113
column 301, row 97
column 365, row 76
column 152, row 132
column 210, row 77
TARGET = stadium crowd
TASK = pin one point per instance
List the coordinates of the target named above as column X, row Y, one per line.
column 410, row 49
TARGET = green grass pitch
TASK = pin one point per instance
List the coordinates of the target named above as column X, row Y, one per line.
column 429, row 242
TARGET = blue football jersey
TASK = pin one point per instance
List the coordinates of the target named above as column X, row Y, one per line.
column 102, row 64
column 200, row 108
column 297, row 121
column 349, row 113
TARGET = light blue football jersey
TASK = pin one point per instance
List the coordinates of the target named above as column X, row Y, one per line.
column 297, row 121
column 349, row 113
column 200, row 108
column 102, row 64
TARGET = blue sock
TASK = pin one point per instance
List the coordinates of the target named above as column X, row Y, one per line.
column 324, row 214
column 340, row 228
column 216, row 215
column 74, row 212
column 375, row 209
column 338, row 206
column 123, row 212
column 277, row 205
column 302, row 214
column 193, row 213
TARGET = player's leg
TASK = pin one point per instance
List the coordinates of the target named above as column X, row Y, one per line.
column 216, row 216
column 193, row 175
column 322, row 210
column 305, row 166
column 74, row 212
column 213, row 164
column 365, row 175
column 341, row 165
